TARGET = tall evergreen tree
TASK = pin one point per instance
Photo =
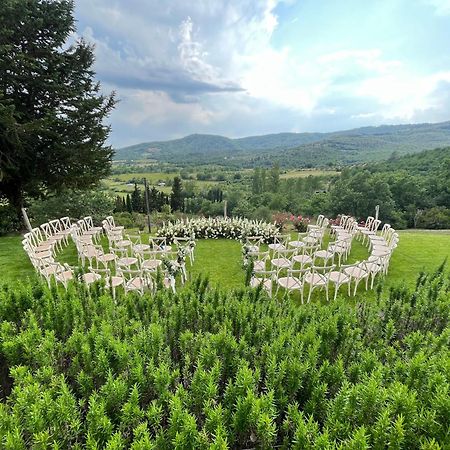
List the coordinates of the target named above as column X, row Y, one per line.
column 176, row 197
column 129, row 204
column 274, row 178
column 52, row 134
column 137, row 199
column 256, row 181
column 118, row 204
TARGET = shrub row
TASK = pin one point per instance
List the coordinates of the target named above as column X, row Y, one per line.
column 209, row 369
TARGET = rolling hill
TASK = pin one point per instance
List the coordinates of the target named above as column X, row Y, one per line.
column 294, row 149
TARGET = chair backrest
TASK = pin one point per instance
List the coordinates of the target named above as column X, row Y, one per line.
column 285, row 253
column 323, row 270
column 343, row 220
column 135, row 238
column 47, row 229
column 56, row 226
column 110, row 220
column 324, row 223
column 82, row 225
column 385, row 229
column 37, row 236
column 374, row 225
column 158, row 242
column 350, row 224
column 66, row 223
column 295, row 277
column 89, row 222
column 319, row 221
column 369, row 222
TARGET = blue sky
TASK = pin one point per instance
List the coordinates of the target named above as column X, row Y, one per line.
column 248, row 67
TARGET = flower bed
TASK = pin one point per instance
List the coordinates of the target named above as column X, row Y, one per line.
column 218, row 227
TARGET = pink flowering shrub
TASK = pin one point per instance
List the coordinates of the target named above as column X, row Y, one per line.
column 300, row 223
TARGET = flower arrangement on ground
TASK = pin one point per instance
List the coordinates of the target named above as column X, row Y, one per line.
column 218, row 227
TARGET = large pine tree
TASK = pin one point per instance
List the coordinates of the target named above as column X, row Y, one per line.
column 52, row 134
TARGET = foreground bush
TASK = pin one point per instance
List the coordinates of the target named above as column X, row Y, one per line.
column 209, row 369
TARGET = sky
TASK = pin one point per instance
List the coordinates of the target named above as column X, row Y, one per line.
column 249, row 67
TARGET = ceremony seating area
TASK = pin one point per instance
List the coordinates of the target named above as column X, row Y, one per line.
column 304, row 264
column 315, row 260
column 125, row 261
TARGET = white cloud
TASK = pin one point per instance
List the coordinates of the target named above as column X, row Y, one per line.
column 212, row 65
column 442, row 7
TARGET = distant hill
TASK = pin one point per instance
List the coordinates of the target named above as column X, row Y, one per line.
column 295, row 149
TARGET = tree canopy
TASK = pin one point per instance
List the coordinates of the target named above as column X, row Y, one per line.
column 52, row 134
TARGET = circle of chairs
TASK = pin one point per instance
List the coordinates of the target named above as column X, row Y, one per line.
column 303, row 265
column 127, row 261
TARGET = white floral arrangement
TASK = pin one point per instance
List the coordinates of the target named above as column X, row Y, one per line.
column 181, row 255
column 218, row 227
column 247, row 256
column 172, row 267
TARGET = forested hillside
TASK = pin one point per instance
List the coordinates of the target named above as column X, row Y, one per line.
column 295, row 149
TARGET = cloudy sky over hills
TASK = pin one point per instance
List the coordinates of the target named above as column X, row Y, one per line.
column 245, row 67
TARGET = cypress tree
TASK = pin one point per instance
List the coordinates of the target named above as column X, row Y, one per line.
column 52, row 134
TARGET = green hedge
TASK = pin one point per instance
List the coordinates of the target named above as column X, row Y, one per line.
column 210, row 369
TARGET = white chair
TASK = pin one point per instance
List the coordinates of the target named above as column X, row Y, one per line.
column 371, row 231
column 338, row 278
column 303, row 257
column 366, row 226
column 64, row 275
column 90, row 226
column 341, row 226
column 297, row 243
column 111, row 282
column 293, row 281
column 253, row 243
column 112, row 225
column 134, row 280
column 280, row 242
column 159, row 243
column 188, row 243
column 283, row 259
column 318, row 277
column 136, row 242
column 264, row 278
column 318, row 223
column 260, row 260
column 149, row 259
column 356, row 274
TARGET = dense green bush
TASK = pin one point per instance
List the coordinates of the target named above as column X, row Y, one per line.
column 8, row 220
column 75, row 204
column 437, row 218
column 210, row 369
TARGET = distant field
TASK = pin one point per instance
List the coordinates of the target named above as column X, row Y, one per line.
column 120, row 184
column 308, row 172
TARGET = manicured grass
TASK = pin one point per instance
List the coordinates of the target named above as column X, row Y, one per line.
column 221, row 259
column 14, row 263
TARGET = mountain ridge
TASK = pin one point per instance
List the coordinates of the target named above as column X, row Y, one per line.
column 346, row 146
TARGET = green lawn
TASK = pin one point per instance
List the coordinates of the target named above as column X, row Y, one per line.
column 221, row 259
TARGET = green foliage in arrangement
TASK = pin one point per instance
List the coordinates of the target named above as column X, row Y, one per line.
column 213, row 369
